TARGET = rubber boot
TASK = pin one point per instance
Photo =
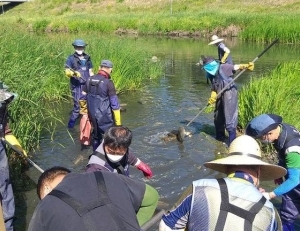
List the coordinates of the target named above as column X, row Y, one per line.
column 71, row 123
column 95, row 144
column 288, row 227
column 232, row 136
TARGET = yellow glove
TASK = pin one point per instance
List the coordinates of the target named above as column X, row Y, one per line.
column 117, row 117
column 223, row 60
column 249, row 66
column 10, row 138
column 69, row 72
column 83, row 107
column 213, row 98
column 77, row 74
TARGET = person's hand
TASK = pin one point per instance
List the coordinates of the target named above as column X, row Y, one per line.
column 249, row 66
column 117, row 117
column 69, row 72
column 145, row 169
column 266, row 195
column 212, row 99
column 77, row 74
column 278, row 181
column 261, row 190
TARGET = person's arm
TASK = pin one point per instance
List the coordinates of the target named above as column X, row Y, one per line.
column 90, row 67
column 114, row 102
column 226, row 53
column 148, row 206
column 140, row 165
column 293, row 175
column 177, row 218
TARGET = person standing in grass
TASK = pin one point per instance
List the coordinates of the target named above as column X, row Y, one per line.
column 78, row 68
column 223, row 51
column 226, row 104
column 102, row 102
column 6, row 192
column 285, row 138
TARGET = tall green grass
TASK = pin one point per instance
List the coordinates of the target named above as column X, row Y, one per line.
column 32, row 66
column 276, row 93
column 250, row 20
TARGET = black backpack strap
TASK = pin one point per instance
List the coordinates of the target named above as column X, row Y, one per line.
column 227, row 207
column 83, row 211
column 112, row 209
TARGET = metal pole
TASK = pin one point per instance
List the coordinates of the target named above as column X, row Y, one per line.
column 225, row 88
column 22, row 154
column 153, row 220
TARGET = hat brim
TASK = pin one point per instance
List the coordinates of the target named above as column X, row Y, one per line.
column 216, row 41
column 267, row 171
column 256, row 129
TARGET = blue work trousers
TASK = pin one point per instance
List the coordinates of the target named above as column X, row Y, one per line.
column 6, row 192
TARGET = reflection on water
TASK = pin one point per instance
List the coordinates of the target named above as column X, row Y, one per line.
column 162, row 106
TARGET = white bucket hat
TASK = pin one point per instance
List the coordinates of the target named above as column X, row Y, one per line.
column 244, row 150
column 215, row 39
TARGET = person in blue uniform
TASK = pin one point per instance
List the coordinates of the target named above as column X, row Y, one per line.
column 102, row 102
column 223, row 51
column 226, row 104
column 78, row 68
column 285, row 138
column 6, row 192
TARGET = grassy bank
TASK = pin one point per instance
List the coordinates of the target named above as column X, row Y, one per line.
column 277, row 92
column 33, row 67
column 250, row 20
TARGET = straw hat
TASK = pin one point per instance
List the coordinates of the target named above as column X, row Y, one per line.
column 215, row 39
column 244, row 150
column 262, row 124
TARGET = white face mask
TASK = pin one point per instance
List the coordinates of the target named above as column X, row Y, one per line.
column 114, row 158
column 80, row 52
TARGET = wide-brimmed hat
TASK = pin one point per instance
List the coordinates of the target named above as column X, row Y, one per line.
column 262, row 124
column 215, row 39
column 244, row 150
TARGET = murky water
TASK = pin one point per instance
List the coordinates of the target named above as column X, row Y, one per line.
column 160, row 107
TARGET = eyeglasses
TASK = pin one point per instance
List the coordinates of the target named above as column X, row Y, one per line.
column 117, row 151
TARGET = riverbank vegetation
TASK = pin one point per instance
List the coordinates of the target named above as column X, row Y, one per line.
column 33, row 67
column 249, row 20
column 277, row 92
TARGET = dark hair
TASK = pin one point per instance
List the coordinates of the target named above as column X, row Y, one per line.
column 49, row 175
column 117, row 137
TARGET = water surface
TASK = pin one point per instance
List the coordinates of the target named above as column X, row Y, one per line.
column 163, row 105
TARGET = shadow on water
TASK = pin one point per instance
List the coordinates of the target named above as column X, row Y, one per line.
column 160, row 107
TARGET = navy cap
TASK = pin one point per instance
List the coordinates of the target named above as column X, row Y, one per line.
column 262, row 124
column 79, row 43
column 106, row 63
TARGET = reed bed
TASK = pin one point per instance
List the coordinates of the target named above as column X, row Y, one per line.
column 33, row 67
column 275, row 93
